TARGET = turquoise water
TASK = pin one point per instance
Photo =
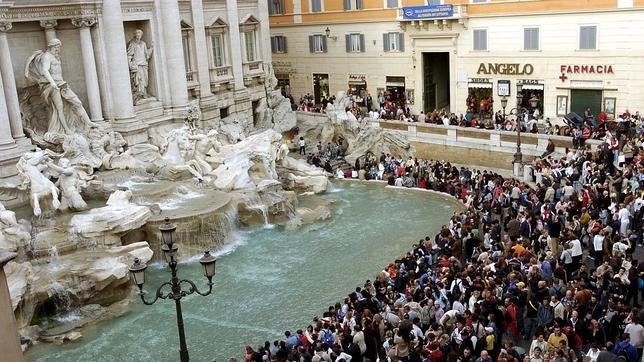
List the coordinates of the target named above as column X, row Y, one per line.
column 271, row 281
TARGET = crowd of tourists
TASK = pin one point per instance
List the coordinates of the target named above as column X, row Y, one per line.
column 542, row 273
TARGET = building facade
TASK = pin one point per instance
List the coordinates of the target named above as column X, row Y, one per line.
column 563, row 55
column 216, row 51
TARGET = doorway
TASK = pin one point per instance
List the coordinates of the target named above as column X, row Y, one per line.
column 435, row 81
column 320, row 87
column 580, row 99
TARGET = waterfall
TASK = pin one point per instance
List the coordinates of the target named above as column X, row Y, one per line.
column 254, row 202
column 61, row 297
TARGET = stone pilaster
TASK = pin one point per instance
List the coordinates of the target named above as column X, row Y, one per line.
column 89, row 65
column 235, row 44
column 50, row 29
column 6, row 140
column 9, row 338
column 9, row 81
column 201, row 47
column 175, row 65
column 117, row 67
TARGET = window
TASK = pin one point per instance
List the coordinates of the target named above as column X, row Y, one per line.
column 352, row 4
column 250, row 45
column 275, row 7
column 217, row 50
column 434, row 2
column 316, row 6
column 317, row 43
column 186, row 31
column 217, row 32
column 479, row 1
column 278, row 44
column 588, row 37
column 391, row 3
column 393, row 42
column 223, row 112
column 480, row 39
column 355, row 43
column 531, row 39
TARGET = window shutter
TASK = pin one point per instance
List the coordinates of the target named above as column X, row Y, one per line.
column 311, row 45
column 271, row 7
column 526, row 39
column 358, row 4
column 324, row 49
column 401, row 42
column 362, row 47
column 385, row 42
column 273, row 45
column 284, row 48
column 592, row 38
column 347, row 4
column 347, row 41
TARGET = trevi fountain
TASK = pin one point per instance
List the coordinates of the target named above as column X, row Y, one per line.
column 87, row 203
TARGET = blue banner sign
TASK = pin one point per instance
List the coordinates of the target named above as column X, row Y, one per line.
column 428, row 12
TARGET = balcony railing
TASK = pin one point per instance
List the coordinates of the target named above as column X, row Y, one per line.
column 253, row 68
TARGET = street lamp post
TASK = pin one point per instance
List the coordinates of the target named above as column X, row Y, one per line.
column 504, row 103
column 518, row 156
column 137, row 270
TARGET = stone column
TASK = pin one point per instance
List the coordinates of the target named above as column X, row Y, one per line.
column 9, row 338
column 235, row 44
column 173, row 52
column 264, row 34
column 50, row 29
column 89, row 66
column 9, row 80
column 202, row 46
column 116, row 55
column 5, row 126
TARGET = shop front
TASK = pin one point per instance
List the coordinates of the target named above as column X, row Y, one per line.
column 479, row 98
column 283, row 70
column 320, row 87
column 588, row 90
column 530, row 93
column 357, row 89
column 395, row 90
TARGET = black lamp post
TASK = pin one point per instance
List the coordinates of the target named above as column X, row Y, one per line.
column 518, row 157
column 137, row 270
column 504, row 103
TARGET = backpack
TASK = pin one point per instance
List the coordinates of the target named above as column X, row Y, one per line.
column 327, row 339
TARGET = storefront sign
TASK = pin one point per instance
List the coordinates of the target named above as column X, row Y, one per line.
column 479, row 80
column 357, row 78
column 503, row 88
column 528, row 81
column 283, row 67
column 428, row 12
column 587, row 69
column 505, row 69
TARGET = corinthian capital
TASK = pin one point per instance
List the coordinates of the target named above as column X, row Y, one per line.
column 84, row 21
column 49, row 24
column 5, row 26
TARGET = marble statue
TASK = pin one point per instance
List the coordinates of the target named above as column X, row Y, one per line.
column 205, row 146
column 68, row 115
column 11, row 234
column 138, row 55
column 70, row 181
column 193, row 114
column 32, row 168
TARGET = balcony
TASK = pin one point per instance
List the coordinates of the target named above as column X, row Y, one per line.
column 255, row 68
column 221, row 78
column 253, row 73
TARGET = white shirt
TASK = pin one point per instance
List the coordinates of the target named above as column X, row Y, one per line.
column 624, row 215
column 598, row 242
column 576, row 247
